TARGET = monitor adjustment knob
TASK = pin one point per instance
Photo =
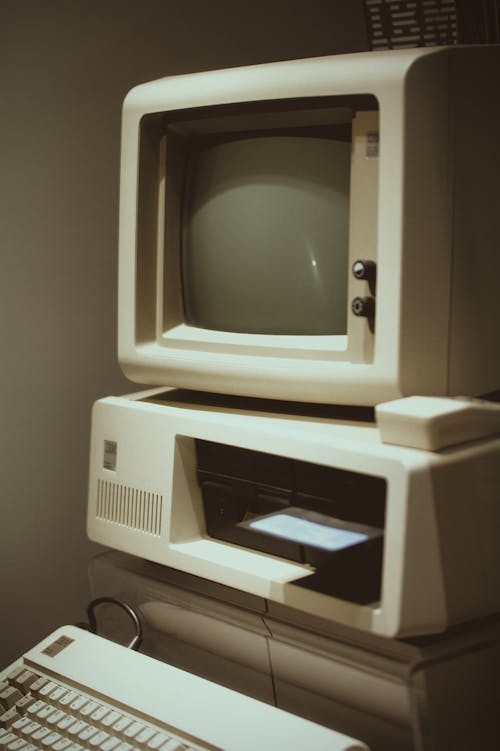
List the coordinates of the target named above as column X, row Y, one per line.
column 363, row 307
column 366, row 270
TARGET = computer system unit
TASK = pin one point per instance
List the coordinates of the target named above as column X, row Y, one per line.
column 314, row 512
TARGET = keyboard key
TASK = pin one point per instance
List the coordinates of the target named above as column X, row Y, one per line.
column 47, row 689
column 77, row 704
column 9, row 696
column 66, row 700
column 158, row 740
column 120, row 725
column 25, row 680
column 38, row 735
column 76, row 728
column 87, row 733
column 62, row 745
column 124, row 747
column 89, row 708
column 45, row 712
column 8, row 718
column 15, row 672
column 65, row 722
column 51, row 739
column 109, row 744
column 30, row 728
column 21, row 723
column 134, row 729
column 34, row 708
column 7, row 738
column 17, row 745
column 37, row 686
column 56, row 695
column 55, row 717
column 144, row 736
column 99, row 738
column 99, row 714
column 23, row 704
column 110, row 718
column 173, row 745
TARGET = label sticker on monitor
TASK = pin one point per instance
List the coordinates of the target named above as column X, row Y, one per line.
column 372, row 144
column 305, row 532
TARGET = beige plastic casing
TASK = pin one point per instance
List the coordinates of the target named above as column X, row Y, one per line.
column 189, row 711
column 427, row 211
column 441, row 555
column 434, row 423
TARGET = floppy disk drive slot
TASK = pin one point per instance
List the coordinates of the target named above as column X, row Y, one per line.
column 326, row 517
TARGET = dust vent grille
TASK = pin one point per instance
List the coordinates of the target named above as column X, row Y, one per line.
column 136, row 509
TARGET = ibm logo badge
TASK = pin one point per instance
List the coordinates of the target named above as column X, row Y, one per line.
column 109, row 458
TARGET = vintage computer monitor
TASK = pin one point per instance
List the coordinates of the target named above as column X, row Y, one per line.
column 320, row 230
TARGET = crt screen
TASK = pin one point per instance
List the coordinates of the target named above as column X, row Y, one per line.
column 265, row 236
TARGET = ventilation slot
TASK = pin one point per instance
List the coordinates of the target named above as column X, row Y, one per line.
column 132, row 508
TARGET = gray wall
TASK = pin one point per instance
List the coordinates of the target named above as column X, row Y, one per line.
column 65, row 68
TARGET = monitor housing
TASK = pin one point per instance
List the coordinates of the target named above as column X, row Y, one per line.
column 418, row 206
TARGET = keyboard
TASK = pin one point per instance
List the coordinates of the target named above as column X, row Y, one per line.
column 76, row 691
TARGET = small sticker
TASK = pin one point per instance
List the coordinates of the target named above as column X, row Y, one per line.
column 372, row 143
column 53, row 649
column 109, row 459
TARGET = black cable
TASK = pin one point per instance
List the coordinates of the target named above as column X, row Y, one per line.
column 136, row 640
